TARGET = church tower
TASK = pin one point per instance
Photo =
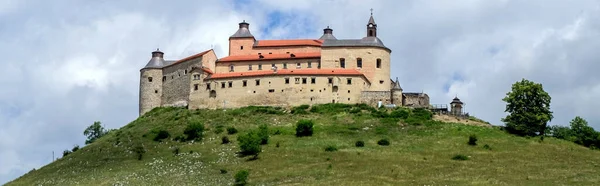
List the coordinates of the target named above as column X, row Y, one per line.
column 371, row 26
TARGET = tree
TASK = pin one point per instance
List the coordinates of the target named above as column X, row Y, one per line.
column 94, row 131
column 528, row 106
column 583, row 133
column 561, row 132
column 250, row 143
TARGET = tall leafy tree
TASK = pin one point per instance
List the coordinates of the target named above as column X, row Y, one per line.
column 94, row 131
column 584, row 134
column 528, row 106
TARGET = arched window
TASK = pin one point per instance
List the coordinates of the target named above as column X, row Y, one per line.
column 231, row 68
column 212, row 94
column 378, row 63
column 149, row 79
column 371, row 33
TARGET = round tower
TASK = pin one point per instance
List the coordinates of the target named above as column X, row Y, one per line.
column 151, row 79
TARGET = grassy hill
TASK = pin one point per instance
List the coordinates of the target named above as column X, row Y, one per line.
column 420, row 153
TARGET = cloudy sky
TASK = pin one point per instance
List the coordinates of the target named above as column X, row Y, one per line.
column 68, row 63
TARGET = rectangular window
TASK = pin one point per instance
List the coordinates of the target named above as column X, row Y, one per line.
column 319, row 66
column 231, row 68
column 330, row 80
column 284, row 65
column 349, row 80
column 244, row 83
column 259, row 66
column 257, row 82
column 271, row 90
column 358, row 62
column 298, row 65
column 230, row 84
column 378, row 63
column 313, row 80
column 303, row 80
column 195, row 86
column 342, row 63
column 222, row 84
column 309, row 65
column 297, row 80
column 249, row 67
column 207, row 86
column 164, row 78
column 287, row 80
column 272, row 65
column 149, row 79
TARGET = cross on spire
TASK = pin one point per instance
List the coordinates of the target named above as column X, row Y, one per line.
column 371, row 11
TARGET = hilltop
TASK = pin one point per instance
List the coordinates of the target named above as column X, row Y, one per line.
column 421, row 152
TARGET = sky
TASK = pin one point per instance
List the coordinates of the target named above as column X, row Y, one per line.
column 68, row 63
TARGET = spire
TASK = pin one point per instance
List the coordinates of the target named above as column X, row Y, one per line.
column 371, row 20
column 243, row 31
column 396, row 85
column 327, row 34
column 371, row 26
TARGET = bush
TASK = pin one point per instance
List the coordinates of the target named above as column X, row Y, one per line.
column 249, row 143
column 304, row 128
column 176, row 151
column 162, row 134
column 139, row 150
column 383, row 142
column 241, row 177
column 194, row 130
column 75, row 148
column 300, row 109
column 225, row 140
column 219, row 129
column 460, row 157
column 231, row 130
column 486, row 146
column 263, row 133
column 355, row 110
column 472, row 140
column 66, row 152
column 223, row 171
column 359, row 144
column 331, row 148
column 330, row 108
column 179, row 138
column 401, row 113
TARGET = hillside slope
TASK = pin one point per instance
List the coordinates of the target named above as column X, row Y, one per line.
column 418, row 154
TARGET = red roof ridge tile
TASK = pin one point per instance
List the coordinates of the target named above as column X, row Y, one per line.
column 190, row 57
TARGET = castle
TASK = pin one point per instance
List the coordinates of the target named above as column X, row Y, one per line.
column 277, row 73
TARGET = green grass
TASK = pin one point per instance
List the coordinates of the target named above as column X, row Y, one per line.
column 419, row 154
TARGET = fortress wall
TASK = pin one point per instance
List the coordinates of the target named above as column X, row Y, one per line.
column 209, row 59
column 379, row 77
column 150, row 92
column 176, row 87
column 223, row 67
column 416, row 100
column 373, row 97
column 273, row 91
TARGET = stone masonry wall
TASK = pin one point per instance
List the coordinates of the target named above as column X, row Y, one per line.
column 150, row 92
column 379, row 77
column 416, row 100
column 176, row 86
column 373, row 97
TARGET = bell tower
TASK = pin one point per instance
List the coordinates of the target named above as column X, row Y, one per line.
column 371, row 26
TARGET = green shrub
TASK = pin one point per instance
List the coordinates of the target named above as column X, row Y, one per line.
column 225, row 140
column 486, row 146
column 421, row 114
column 304, row 128
column 241, row 177
column 223, row 171
column 139, row 150
column 194, row 130
column 176, row 151
column 359, row 144
column 460, row 157
column 355, row 110
column 263, row 132
column 66, row 153
column 383, row 142
column 162, row 134
column 472, row 140
column 401, row 113
column 179, row 138
column 277, row 132
column 231, row 130
column 219, row 129
column 381, row 113
column 331, row 148
column 300, row 109
column 75, row 148
column 330, row 108
column 249, row 143
column 265, row 110
column 413, row 121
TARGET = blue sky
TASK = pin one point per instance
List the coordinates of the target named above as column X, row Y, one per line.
column 68, row 63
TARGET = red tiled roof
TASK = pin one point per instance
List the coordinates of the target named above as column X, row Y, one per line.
column 207, row 70
column 291, row 42
column 256, row 57
column 288, row 72
column 190, row 57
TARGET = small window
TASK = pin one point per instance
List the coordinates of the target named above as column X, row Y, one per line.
column 271, row 90
column 309, row 65
column 156, row 91
column 359, row 62
column 213, row 94
column 207, row 86
column 287, row 80
column 259, row 66
column 303, row 80
column 241, row 47
column 149, row 79
column 297, row 80
column 349, row 80
column 272, row 65
column 378, row 63
column 222, row 84
column 230, row 84
column 381, row 81
column 257, row 82
column 342, row 63
column 244, row 83
column 348, row 99
column 330, row 80
column 231, row 68
column 164, row 78
column 313, row 80
column 284, row 65
column 298, row 65
column 319, row 65
column 195, row 86
column 185, row 72
column 348, row 91
column 249, row 67
column 172, row 77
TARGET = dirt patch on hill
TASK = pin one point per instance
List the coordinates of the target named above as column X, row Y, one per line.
column 453, row 119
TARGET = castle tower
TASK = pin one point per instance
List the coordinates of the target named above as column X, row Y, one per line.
column 377, row 69
column 242, row 41
column 151, row 78
column 396, row 92
column 456, row 106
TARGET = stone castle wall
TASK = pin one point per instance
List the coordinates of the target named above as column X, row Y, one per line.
column 150, row 90
column 417, row 100
column 176, row 85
